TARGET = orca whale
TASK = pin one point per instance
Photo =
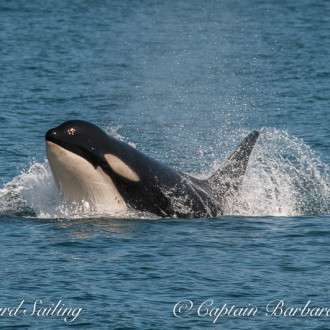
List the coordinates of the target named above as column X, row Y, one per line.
column 90, row 166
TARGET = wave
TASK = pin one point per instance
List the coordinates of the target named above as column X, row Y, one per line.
column 285, row 177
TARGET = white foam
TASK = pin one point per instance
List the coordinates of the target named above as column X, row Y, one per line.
column 34, row 193
column 284, row 178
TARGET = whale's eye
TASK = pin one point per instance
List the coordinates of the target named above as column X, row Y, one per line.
column 121, row 168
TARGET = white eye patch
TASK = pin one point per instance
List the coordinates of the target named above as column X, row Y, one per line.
column 121, row 168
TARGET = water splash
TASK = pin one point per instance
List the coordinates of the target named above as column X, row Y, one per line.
column 284, row 178
column 34, row 193
column 114, row 131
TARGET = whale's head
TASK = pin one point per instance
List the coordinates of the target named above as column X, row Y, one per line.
column 87, row 164
column 81, row 138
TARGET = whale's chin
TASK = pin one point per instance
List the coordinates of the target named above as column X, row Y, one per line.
column 80, row 182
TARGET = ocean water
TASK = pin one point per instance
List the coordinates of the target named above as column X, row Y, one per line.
column 184, row 82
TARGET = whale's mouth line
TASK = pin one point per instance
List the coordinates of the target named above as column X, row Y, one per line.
column 76, row 149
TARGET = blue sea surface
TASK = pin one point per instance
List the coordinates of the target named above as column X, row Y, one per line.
column 184, row 82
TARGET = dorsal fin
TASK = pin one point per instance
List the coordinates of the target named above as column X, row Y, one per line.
column 230, row 176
